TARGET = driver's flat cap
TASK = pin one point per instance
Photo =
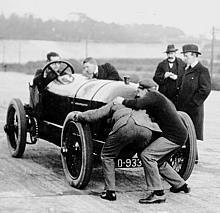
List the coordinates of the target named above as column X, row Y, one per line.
column 147, row 83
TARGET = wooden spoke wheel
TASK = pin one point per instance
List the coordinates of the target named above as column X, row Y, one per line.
column 76, row 152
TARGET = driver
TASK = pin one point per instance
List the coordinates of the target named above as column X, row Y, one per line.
column 42, row 79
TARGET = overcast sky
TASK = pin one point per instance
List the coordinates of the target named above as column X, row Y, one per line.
column 194, row 17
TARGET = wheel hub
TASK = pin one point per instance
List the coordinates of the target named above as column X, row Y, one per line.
column 33, row 129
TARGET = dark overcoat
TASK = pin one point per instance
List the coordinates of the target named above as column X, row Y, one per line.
column 42, row 82
column 168, row 86
column 108, row 72
column 195, row 88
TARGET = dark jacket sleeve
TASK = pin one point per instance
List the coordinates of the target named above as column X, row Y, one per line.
column 39, row 80
column 112, row 73
column 159, row 75
column 96, row 114
column 138, row 103
column 38, row 76
column 204, row 87
column 181, row 70
column 42, row 82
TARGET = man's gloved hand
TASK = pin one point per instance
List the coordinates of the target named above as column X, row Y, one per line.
column 51, row 75
column 65, row 79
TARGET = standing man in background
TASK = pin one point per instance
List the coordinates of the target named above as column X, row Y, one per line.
column 105, row 71
column 169, row 74
column 195, row 88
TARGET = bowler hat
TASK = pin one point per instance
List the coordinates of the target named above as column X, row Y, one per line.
column 190, row 48
column 147, row 83
column 171, row 48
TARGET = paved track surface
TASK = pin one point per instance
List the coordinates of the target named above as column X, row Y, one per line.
column 36, row 182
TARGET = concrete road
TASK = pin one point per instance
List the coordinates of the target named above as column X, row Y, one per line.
column 36, row 182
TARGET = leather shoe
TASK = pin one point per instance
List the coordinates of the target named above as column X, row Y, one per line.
column 185, row 188
column 153, row 198
column 108, row 195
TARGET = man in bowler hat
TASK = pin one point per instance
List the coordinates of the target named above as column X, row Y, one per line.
column 195, row 88
column 169, row 74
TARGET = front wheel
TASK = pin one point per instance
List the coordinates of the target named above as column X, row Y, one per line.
column 76, row 152
column 184, row 160
column 16, row 128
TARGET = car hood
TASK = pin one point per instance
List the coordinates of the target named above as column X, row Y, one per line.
column 93, row 89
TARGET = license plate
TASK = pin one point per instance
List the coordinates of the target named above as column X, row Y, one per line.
column 128, row 163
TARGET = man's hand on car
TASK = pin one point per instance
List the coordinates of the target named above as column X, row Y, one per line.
column 75, row 115
column 118, row 100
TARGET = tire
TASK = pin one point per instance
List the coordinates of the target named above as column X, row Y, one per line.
column 78, row 159
column 184, row 160
column 16, row 128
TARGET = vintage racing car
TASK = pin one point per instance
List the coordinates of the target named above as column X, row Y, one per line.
column 48, row 116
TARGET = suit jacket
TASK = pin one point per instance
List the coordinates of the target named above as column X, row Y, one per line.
column 195, row 88
column 168, row 86
column 108, row 72
column 164, row 112
column 120, row 116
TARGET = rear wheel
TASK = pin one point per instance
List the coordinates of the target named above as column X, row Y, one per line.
column 76, row 152
column 16, row 128
column 184, row 160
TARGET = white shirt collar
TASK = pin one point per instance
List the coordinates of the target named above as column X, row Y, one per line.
column 170, row 65
column 194, row 63
column 96, row 70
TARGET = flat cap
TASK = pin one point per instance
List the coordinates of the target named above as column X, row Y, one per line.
column 147, row 83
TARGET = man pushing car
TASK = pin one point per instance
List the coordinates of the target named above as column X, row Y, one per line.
column 174, row 136
column 129, row 127
column 132, row 126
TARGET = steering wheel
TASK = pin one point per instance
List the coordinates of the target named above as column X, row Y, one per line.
column 57, row 70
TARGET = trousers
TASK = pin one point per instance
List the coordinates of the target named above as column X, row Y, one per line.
column 128, row 134
column 150, row 156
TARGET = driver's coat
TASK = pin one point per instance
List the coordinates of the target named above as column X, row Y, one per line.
column 120, row 116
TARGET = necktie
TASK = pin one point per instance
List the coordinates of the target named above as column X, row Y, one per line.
column 95, row 75
column 170, row 65
column 188, row 68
